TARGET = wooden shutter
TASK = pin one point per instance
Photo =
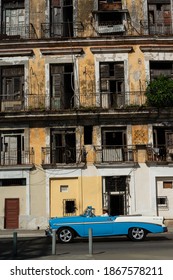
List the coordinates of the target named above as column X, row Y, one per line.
column 119, row 71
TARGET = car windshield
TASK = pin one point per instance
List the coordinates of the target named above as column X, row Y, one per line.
column 89, row 212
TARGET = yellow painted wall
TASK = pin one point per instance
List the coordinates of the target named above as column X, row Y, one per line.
column 87, row 78
column 37, row 141
column 37, row 75
column 85, row 8
column 137, row 71
column 37, row 14
column 56, row 197
column 135, row 9
column 92, row 193
column 85, row 190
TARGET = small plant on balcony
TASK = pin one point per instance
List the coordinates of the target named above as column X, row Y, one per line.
column 159, row 92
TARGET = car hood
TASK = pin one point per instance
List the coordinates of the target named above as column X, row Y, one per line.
column 67, row 220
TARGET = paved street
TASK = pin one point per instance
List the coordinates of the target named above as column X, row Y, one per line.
column 34, row 245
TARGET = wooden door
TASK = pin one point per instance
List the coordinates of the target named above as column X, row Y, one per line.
column 11, row 213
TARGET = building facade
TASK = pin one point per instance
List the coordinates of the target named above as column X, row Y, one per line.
column 75, row 126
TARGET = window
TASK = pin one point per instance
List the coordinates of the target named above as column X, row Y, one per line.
column 114, row 137
column 112, row 84
column 63, row 146
column 12, row 182
column 12, row 82
column 69, row 207
column 161, row 68
column 163, row 141
column 159, row 15
column 115, row 184
column 110, row 17
column 114, row 144
column 167, row 185
column 63, row 188
column 162, row 201
column 14, row 18
column 62, row 86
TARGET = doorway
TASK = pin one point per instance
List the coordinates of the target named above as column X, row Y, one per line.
column 11, row 213
column 116, row 204
column 116, row 194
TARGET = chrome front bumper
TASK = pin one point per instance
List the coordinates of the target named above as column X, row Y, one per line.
column 48, row 232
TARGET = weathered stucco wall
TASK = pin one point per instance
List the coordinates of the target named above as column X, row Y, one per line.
column 37, row 14
column 87, row 77
column 136, row 11
column 37, row 77
column 37, row 140
column 136, row 70
column 85, row 8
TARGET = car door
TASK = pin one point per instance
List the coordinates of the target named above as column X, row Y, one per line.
column 101, row 226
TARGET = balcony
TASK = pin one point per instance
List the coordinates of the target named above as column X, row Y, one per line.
column 110, row 100
column 110, row 17
column 18, row 31
column 17, row 157
column 157, row 28
column 104, row 100
column 60, row 155
column 62, row 29
column 115, row 154
column 110, row 27
column 159, row 155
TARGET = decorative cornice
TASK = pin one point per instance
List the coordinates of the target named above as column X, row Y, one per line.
column 112, row 50
column 17, row 52
column 156, row 49
column 64, row 51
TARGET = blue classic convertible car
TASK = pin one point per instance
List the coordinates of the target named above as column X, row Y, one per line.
column 135, row 227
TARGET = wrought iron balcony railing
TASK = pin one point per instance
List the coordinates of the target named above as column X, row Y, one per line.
column 111, row 100
column 110, row 27
column 104, row 100
column 18, row 31
column 62, row 29
column 159, row 154
column 115, row 154
column 59, row 155
column 157, row 28
column 17, row 157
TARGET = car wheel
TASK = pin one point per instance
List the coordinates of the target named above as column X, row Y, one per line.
column 65, row 235
column 137, row 234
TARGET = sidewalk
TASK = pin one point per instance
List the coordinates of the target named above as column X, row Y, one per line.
column 8, row 233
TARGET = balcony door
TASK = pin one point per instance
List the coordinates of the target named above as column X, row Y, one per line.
column 61, row 18
column 14, row 18
column 113, row 145
column 112, row 84
column 62, row 86
column 12, row 147
column 63, row 147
